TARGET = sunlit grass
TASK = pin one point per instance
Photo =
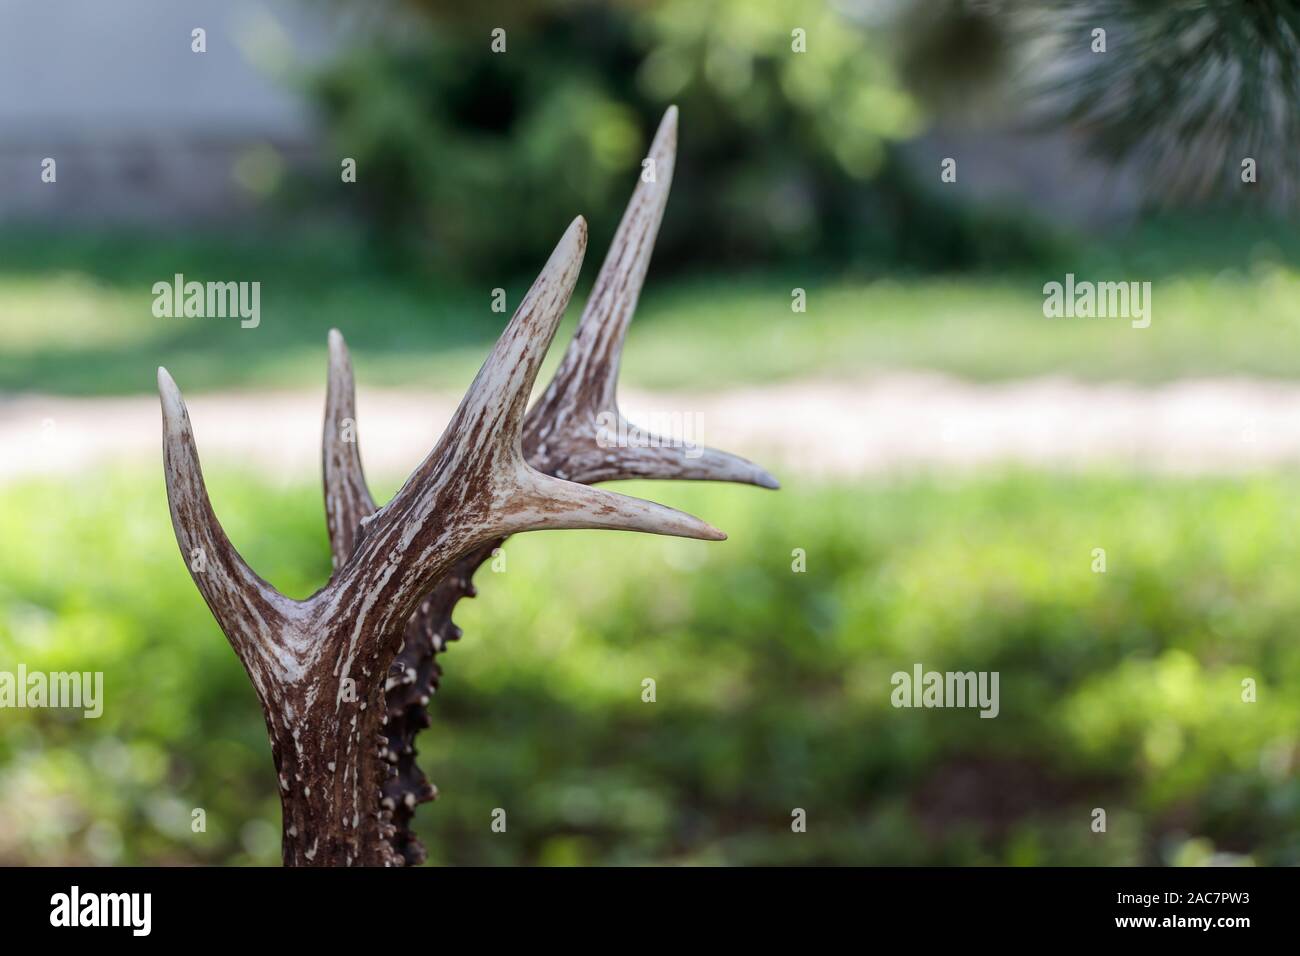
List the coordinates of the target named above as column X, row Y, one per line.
column 1120, row 690
column 1225, row 301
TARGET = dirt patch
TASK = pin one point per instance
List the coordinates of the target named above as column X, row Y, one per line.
column 899, row 422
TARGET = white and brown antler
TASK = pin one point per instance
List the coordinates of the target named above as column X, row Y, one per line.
column 320, row 665
column 566, row 434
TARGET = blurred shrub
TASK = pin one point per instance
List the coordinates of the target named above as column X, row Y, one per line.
column 485, row 156
column 1118, row 690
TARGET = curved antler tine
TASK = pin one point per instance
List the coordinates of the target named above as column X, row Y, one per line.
column 483, row 434
column 543, row 502
column 714, row 465
column 587, row 378
column 480, row 445
column 239, row 599
column 500, row 391
column 347, row 497
column 562, row 430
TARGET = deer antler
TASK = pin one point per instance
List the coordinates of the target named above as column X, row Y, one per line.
column 566, row 434
column 319, row 665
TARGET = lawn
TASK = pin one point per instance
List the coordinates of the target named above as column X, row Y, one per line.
column 77, row 316
column 1119, row 690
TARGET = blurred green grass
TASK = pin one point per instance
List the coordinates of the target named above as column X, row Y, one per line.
column 1118, row 690
column 77, row 313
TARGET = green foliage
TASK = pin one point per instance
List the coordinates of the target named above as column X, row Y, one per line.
column 485, row 155
column 1119, row 690
column 87, row 326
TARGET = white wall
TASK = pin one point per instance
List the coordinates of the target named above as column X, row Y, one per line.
column 82, row 66
column 141, row 126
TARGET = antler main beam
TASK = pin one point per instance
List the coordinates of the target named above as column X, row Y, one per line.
column 320, row 665
column 565, row 435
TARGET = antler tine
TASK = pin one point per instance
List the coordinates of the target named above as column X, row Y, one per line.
column 482, row 437
column 588, row 373
column 246, row 607
column 475, row 485
column 562, row 431
column 347, row 497
column 554, row 503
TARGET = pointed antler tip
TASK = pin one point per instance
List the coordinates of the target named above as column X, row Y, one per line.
column 172, row 402
column 709, row 465
column 666, row 135
column 571, row 248
column 338, row 349
column 717, row 465
column 577, row 231
column 658, row 519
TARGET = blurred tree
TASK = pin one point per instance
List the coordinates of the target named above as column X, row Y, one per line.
column 955, row 56
column 483, row 153
column 788, row 155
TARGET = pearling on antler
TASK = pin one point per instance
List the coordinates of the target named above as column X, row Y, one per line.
column 343, row 676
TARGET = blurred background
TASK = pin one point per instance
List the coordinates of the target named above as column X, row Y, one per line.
column 951, row 459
